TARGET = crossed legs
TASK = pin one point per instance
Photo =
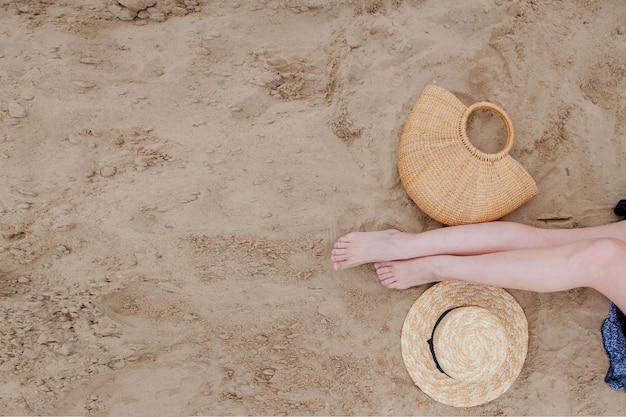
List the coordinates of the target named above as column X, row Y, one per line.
column 503, row 254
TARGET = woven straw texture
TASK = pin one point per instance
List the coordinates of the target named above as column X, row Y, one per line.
column 481, row 344
column 446, row 175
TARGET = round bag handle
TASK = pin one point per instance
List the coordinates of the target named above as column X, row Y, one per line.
column 510, row 132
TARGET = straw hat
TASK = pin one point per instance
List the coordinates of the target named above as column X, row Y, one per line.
column 446, row 175
column 464, row 344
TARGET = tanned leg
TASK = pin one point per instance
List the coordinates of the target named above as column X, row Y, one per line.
column 358, row 248
column 595, row 263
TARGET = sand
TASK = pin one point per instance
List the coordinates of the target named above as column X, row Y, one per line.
column 174, row 174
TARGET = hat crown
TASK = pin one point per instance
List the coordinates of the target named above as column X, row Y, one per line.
column 443, row 381
column 470, row 343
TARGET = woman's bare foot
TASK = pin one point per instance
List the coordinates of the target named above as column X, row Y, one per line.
column 358, row 248
column 401, row 275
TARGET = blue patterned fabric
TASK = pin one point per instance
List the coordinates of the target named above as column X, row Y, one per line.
column 614, row 337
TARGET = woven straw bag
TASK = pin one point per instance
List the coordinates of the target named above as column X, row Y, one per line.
column 446, row 175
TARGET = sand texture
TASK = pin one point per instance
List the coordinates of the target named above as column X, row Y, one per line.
column 174, row 173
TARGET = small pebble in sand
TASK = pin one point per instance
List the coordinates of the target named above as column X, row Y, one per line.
column 16, row 110
column 65, row 349
column 90, row 61
column 137, row 5
column 83, row 84
column 27, row 193
column 108, row 171
column 121, row 12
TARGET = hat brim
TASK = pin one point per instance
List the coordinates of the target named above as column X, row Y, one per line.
column 418, row 327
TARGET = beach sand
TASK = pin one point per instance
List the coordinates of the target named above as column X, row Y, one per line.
column 174, row 174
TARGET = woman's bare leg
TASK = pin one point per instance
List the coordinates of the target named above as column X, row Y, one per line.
column 358, row 248
column 596, row 263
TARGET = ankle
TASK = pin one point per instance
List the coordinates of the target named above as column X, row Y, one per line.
column 408, row 245
column 436, row 267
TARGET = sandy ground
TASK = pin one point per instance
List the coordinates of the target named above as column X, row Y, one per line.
column 171, row 187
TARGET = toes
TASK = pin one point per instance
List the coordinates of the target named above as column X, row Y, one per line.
column 345, row 239
column 338, row 256
column 384, row 270
column 340, row 245
column 384, row 275
column 389, row 283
